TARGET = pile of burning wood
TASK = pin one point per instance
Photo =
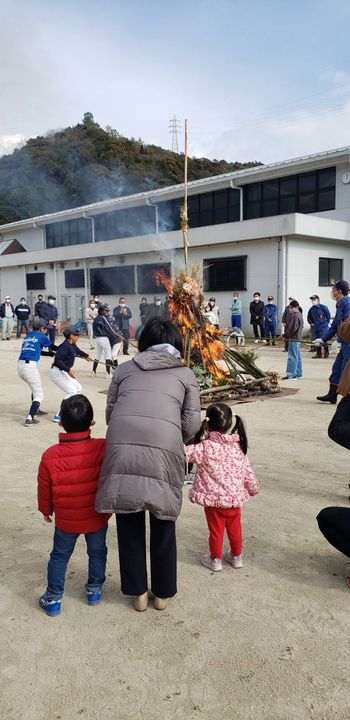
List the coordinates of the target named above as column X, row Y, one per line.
column 222, row 372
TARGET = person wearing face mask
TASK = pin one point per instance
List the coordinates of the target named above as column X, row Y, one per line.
column 256, row 308
column 214, row 308
column 122, row 315
column 97, row 301
column 318, row 318
column 156, row 310
column 50, row 313
column 7, row 313
column 236, row 311
column 340, row 293
column 90, row 314
column 38, row 305
column 143, row 310
column 270, row 317
column 23, row 313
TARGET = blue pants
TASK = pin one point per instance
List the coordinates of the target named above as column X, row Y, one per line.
column 236, row 321
column 294, row 364
column 63, row 546
column 339, row 365
column 20, row 323
column 270, row 328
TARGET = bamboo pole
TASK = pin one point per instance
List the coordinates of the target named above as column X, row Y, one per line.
column 184, row 211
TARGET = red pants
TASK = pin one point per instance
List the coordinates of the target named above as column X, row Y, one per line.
column 218, row 519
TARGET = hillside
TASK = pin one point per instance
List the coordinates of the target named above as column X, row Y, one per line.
column 85, row 164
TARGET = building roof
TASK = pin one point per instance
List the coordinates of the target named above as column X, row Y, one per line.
column 150, row 197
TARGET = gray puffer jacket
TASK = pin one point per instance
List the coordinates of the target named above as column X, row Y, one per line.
column 152, row 408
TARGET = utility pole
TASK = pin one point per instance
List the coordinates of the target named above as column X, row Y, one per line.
column 174, row 129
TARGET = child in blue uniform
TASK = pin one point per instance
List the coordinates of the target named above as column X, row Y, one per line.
column 270, row 320
column 61, row 372
column 27, row 367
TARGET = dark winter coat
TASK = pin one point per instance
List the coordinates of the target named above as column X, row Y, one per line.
column 294, row 326
column 122, row 318
column 152, row 409
column 22, row 312
column 339, row 428
column 49, row 312
column 67, row 481
column 2, row 310
column 256, row 312
column 105, row 327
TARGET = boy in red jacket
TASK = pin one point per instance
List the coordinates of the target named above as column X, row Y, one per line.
column 67, row 482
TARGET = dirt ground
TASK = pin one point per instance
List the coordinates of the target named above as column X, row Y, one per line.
column 267, row 641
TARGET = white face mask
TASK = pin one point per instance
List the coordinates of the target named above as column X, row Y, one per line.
column 51, row 302
column 158, row 302
column 122, row 304
column 23, row 302
column 256, row 299
column 92, row 305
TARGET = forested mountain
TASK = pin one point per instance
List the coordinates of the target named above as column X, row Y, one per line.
column 85, row 164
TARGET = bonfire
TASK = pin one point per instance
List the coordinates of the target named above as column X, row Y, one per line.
column 220, row 370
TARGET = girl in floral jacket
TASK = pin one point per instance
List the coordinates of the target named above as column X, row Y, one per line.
column 223, row 481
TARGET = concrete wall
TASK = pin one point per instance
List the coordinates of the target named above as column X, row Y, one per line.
column 342, row 197
column 302, row 269
column 31, row 238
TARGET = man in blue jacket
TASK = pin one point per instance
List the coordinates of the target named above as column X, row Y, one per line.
column 318, row 318
column 270, row 320
column 340, row 293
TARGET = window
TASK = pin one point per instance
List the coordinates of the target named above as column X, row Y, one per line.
column 119, row 280
column 304, row 193
column 225, row 273
column 69, row 232
column 35, row 281
column 74, row 279
column 330, row 271
column 146, row 277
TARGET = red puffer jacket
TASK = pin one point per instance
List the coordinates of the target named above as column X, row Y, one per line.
column 67, row 482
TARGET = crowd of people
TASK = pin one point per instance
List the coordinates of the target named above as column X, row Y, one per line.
column 140, row 465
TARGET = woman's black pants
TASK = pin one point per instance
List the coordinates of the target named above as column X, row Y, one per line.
column 131, row 528
column 334, row 523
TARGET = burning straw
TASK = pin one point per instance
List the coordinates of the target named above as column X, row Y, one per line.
column 216, row 366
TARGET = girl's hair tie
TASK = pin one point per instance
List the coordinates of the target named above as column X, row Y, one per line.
column 206, row 419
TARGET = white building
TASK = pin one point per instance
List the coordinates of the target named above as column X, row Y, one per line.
column 280, row 229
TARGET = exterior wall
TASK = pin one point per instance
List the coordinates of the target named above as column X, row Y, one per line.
column 31, row 238
column 302, row 269
column 342, row 196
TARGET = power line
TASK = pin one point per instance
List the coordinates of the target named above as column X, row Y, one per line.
column 174, row 130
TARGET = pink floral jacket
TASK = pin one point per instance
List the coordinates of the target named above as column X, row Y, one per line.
column 224, row 477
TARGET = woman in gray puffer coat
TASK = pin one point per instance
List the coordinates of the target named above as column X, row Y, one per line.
column 153, row 407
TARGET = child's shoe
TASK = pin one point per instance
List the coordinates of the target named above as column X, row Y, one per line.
column 93, row 597
column 51, row 607
column 214, row 564
column 235, row 560
column 56, row 418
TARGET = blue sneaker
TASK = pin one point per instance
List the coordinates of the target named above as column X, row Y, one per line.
column 51, row 607
column 93, row 597
column 56, row 418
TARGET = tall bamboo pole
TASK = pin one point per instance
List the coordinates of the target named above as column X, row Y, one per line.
column 184, row 209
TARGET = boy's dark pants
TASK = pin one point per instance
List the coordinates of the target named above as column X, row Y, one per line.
column 131, row 529
column 63, row 546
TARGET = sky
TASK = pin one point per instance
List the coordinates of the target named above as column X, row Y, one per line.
column 263, row 80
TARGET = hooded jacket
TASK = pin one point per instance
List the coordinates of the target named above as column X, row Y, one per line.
column 224, row 477
column 67, row 480
column 152, row 409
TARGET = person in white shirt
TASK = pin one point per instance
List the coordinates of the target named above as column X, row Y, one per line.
column 90, row 314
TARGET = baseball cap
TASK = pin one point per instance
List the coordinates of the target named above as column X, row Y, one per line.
column 51, row 297
column 314, row 297
column 343, row 286
column 156, row 297
column 39, row 323
column 7, row 297
column 71, row 330
column 270, row 297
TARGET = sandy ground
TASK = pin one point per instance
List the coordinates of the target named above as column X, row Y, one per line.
column 268, row 641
